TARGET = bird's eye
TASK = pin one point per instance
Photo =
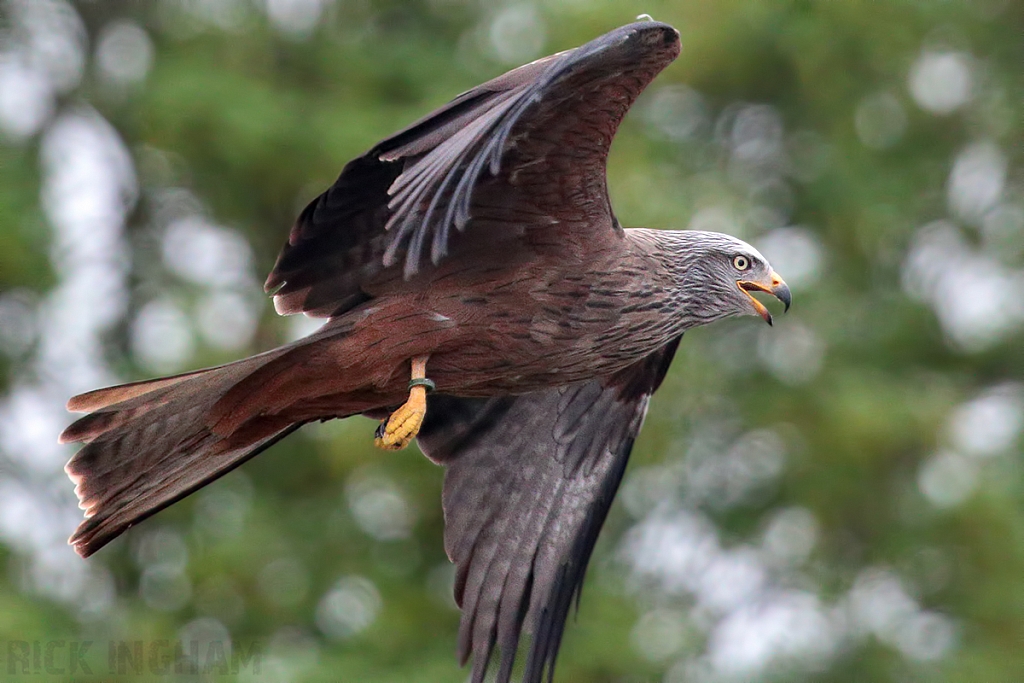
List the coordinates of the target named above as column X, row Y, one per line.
column 741, row 263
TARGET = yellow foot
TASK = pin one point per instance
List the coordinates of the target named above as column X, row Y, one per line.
column 396, row 432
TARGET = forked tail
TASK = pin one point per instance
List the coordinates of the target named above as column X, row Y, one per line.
column 150, row 444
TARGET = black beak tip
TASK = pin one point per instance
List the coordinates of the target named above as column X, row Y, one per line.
column 783, row 294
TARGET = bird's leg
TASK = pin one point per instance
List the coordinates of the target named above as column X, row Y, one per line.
column 395, row 433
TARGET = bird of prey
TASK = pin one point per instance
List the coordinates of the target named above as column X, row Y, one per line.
column 482, row 298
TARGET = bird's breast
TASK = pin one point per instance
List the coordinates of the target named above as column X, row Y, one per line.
column 534, row 335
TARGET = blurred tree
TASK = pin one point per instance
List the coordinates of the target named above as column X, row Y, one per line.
column 839, row 498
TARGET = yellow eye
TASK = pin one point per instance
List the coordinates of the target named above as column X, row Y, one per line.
column 741, row 263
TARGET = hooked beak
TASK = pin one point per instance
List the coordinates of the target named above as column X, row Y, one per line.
column 776, row 287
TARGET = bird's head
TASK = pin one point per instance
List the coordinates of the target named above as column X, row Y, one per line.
column 722, row 273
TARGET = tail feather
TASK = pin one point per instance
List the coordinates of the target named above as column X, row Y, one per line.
column 101, row 398
column 111, row 520
column 149, row 444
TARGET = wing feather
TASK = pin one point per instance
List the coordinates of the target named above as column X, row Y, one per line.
column 528, row 484
column 525, row 149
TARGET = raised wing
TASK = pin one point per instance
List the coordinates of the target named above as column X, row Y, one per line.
column 525, row 150
column 528, row 485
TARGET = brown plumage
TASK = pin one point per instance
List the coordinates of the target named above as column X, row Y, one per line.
column 482, row 237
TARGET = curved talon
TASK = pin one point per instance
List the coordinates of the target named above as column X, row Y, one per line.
column 398, row 431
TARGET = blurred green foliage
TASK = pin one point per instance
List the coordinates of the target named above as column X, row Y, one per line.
column 249, row 109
